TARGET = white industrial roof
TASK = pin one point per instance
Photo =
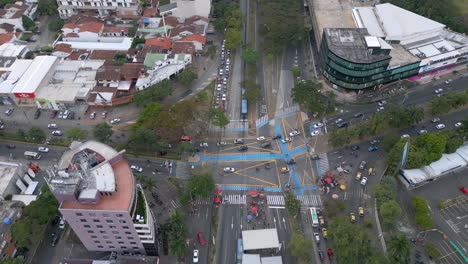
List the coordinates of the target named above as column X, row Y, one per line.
column 15, row 71
column 25, row 198
column 272, row 260
column 124, row 45
column 8, row 171
column 251, row 259
column 372, row 41
column 11, row 50
column 364, row 17
column 448, row 163
column 34, row 75
column 260, row 239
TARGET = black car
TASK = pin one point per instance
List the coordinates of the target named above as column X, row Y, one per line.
column 11, row 146
column 321, row 254
column 342, row 124
column 358, row 115
column 266, row 145
column 54, row 240
column 56, row 220
column 37, row 113
column 277, row 137
column 355, row 147
column 291, row 162
column 243, row 148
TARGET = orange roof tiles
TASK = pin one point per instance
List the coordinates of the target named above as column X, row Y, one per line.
column 195, row 37
column 69, row 25
column 5, row 38
column 165, row 43
column 171, row 21
column 95, row 27
column 120, row 200
column 183, row 47
column 65, row 48
column 150, row 12
column 72, row 35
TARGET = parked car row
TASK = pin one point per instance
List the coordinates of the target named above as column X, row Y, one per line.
column 220, row 93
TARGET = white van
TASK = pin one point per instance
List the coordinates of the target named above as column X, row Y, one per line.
column 62, row 223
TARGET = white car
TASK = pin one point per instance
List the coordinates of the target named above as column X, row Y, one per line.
column 438, row 91
column 115, row 121
column 405, row 136
column 221, row 143
column 229, row 169
column 261, row 138
column 440, row 126
column 422, row 131
column 364, row 181
column 238, row 141
column 294, row 133
column 195, row 256
column 54, row 126
column 219, row 87
column 318, row 125
column 57, row 133
column 380, row 109
column 223, row 98
column 104, row 114
column 204, row 145
column 314, row 133
column 136, row 168
column 382, row 103
column 92, row 115
column 339, row 120
column 458, row 124
column 43, row 149
column 286, row 140
column 448, row 81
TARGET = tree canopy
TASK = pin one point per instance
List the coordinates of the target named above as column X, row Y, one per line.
column 399, row 249
column 48, row 7
column 177, row 235
column 103, row 132
column 218, row 117
column 448, row 101
column 300, row 247
column 422, row 213
column 153, row 93
column 250, row 56
column 201, row 184
column 36, row 134
column 390, row 212
column 76, row 134
column 308, row 94
column 292, row 204
column 28, row 24
column 56, row 25
column 186, row 77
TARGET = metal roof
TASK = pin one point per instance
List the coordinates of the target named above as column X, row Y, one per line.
column 34, row 75
column 260, row 239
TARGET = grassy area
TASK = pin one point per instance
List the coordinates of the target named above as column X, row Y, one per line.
column 461, row 7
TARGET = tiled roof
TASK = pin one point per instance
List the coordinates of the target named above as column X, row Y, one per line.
column 183, row 47
column 195, row 37
column 5, row 38
column 115, row 29
column 127, row 14
column 7, row 27
column 70, row 26
column 165, row 43
column 140, row 56
column 177, row 30
column 65, row 48
column 150, row 12
column 108, row 72
column 72, row 35
column 171, row 21
column 131, row 70
column 195, row 18
column 95, row 27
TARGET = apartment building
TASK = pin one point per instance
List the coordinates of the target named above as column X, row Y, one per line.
column 100, row 200
column 103, row 8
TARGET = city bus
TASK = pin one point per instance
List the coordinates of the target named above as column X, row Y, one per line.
column 32, row 155
column 313, row 214
column 244, row 109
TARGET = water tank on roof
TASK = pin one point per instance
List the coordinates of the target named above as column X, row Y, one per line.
column 7, row 220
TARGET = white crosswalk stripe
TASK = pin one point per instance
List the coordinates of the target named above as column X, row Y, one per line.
column 275, row 200
column 176, row 203
column 310, row 200
column 324, row 165
column 202, row 201
column 354, row 194
column 235, row 199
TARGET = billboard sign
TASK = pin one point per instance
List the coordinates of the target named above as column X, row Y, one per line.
column 404, row 156
column 24, row 95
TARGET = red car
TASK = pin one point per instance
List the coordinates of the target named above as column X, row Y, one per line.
column 185, row 138
column 53, row 114
column 463, row 189
column 201, row 240
column 330, row 253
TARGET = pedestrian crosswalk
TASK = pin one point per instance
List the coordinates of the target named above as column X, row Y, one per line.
column 306, row 200
column 324, row 165
column 354, row 194
column 310, row 200
column 234, row 199
column 202, row 201
column 175, row 203
column 275, row 200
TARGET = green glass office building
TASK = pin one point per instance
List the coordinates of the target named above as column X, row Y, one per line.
column 353, row 60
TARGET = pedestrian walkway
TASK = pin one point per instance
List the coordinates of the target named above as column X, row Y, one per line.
column 235, row 199
column 310, row 200
column 202, row 201
column 275, row 200
column 354, row 195
column 324, row 166
column 175, row 203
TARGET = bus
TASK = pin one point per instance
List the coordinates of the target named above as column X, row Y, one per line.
column 244, row 109
column 313, row 214
column 240, row 249
column 32, row 155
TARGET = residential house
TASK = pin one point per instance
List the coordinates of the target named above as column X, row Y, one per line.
column 164, row 43
column 101, row 8
column 187, row 9
column 12, row 14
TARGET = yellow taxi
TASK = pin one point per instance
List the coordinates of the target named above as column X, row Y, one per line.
column 352, row 217
column 321, row 221
column 358, row 176
column 284, row 170
column 324, row 233
column 370, row 171
column 361, row 211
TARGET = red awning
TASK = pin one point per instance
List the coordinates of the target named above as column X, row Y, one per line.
column 254, row 209
column 329, row 180
column 254, row 193
column 216, row 200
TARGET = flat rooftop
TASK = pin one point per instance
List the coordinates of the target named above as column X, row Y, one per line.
column 260, row 239
column 350, row 44
column 34, row 75
column 8, row 170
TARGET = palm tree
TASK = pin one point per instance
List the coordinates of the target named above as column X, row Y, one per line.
column 399, row 249
column 149, row 184
column 139, row 177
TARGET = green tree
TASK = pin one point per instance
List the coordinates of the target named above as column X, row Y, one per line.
column 177, row 235
column 76, row 134
column 186, row 77
column 440, row 105
column 143, row 138
column 148, row 117
column 388, row 142
column 250, row 56
column 3, row 3
column 252, row 93
column 390, row 212
column 296, row 71
column 422, row 212
column 48, row 7
column 308, row 94
column 233, row 38
column 292, row 204
column 185, row 147
column 149, row 184
column 432, row 250
column 153, row 93
column 28, row 24
column 454, row 141
column 201, row 184
column 300, row 247
column 399, row 249
column 56, row 25
column 218, row 117
column 334, row 207
column 340, row 137
column 47, row 49
column 139, row 177
column 398, row 116
column 136, row 41
column 103, row 132
column 36, row 134
column 13, row 261
column 384, row 194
